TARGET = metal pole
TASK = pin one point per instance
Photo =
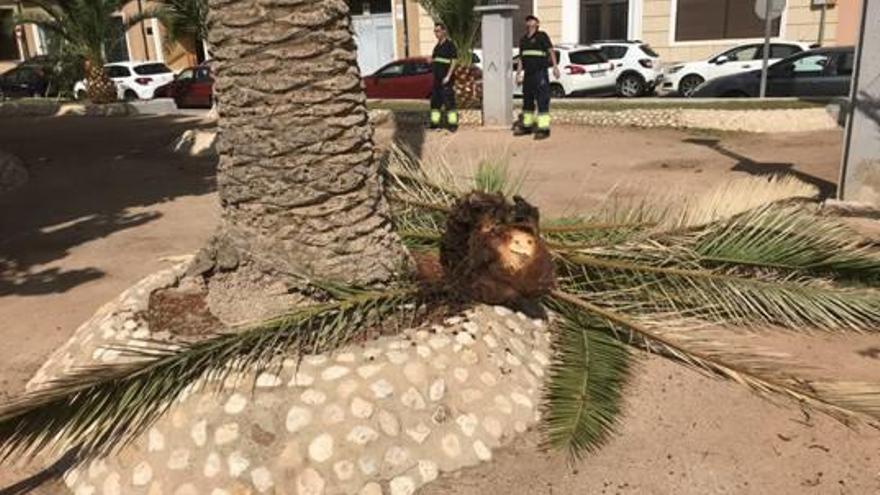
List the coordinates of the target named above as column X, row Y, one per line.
column 768, row 25
column 405, row 30
column 824, row 11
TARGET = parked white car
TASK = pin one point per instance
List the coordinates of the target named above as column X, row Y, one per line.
column 583, row 70
column 636, row 66
column 134, row 80
column 686, row 77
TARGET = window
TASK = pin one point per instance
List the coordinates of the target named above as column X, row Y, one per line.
column 697, row 20
column 742, row 54
column 151, row 69
column 782, row 51
column 586, row 57
column 393, row 70
column 647, row 50
column 415, row 69
column 614, row 52
column 116, row 48
column 8, row 41
column 203, row 73
column 185, row 75
column 475, row 58
column 117, row 71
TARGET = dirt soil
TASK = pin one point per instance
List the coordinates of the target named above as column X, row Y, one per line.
column 107, row 204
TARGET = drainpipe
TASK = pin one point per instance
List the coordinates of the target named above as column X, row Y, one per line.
column 144, row 29
column 824, row 11
column 405, row 30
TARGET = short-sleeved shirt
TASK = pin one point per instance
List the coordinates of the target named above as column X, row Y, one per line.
column 441, row 59
column 534, row 51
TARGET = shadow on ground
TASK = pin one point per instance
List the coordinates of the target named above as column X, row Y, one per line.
column 769, row 169
column 86, row 182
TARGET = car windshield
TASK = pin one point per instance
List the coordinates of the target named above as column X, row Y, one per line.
column 649, row 51
column 391, row 71
column 116, row 71
column 586, row 57
column 152, row 69
column 185, row 74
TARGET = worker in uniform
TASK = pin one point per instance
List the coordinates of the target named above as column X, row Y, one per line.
column 536, row 55
column 442, row 92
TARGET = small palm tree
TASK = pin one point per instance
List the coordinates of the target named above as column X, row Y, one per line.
column 89, row 28
column 627, row 281
column 185, row 20
column 462, row 23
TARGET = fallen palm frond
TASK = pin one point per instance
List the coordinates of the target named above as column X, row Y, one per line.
column 99, row 408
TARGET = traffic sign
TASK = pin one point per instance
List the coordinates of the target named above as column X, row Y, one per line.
column 776, row 8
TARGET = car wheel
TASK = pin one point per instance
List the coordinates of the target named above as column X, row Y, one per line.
column 689, row 84
column 630, row 86
column 130, row 95
column 557, row 91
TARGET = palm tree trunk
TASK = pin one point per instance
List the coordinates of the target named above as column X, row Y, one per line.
column 298, row 177
column 100, row 87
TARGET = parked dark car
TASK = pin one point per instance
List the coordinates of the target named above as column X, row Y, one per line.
column 28, row 79
column 192, row 87
column 821, row 72
column 408, row 78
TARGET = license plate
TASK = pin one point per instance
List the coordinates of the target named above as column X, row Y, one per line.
column 597, row 73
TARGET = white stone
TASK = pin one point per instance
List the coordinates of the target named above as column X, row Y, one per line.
column 262, row 479
column 440, row 362
column 298, row 418
column 199, row 433
column 468, row 423
column 396, row 456
column 313, row 397
column 219, row 491
column 129, row 325
column 503, row 404
column 382, row 389
column 346, row 388
column 334, row 373
column 502, row 311
column 520, row 427
column 512, row 359
column 388, row 423
column 464, row 338
column 471, row 395
column 490, row 341
column 111, row 484
column 362, row 435
column 518, row 345
column 334, row 414
column 179, row 459
column 514, row 326
column 371, row 488
column 451, row 445
column 345, row 357
column 237, row 464
column 186, row 489
column 372, row 353
column 155, row 441
column 453, row 320
column 471, row 327
column 213, row 465
column 301, row 379
column 309, row 482
column 488, row 379
column 415, row 372
column 437, row 390
column 428, row 470
column 423, row 351
column 344, row 470
column 413, row 399
column 225, row 434
column 419, row 433
column 483, row 452
column 537, row 370
column 460, row 374
column 521, row 400
column 235, row 404
column 541, row 358
column 141, row 474
column 321, row 448
column 84, row 489
column 268, row 380
column 493, row 426
column 361, row 408
column 315, row 359
column 438, row 341
column 402, row 485
column 399, row 345
column 468, row 356
column 368, row 465
column 397, row 357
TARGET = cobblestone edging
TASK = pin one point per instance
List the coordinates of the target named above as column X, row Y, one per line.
column 52, row 108
column 13, row 174
column 381, row 418
column 790, row 120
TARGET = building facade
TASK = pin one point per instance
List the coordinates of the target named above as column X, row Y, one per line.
column 145, row 41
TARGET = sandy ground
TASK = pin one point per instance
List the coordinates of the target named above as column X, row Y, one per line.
column 107, row 201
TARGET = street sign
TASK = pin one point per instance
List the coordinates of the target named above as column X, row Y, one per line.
column 775, row 8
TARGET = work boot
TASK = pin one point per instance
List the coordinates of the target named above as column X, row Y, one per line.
column 542, row 134
column 522, row 130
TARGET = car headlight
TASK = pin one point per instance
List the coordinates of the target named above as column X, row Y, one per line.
column 674, row 69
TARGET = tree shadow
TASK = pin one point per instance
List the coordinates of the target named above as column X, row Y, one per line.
column 89, row 177
column 868, row 105
column 50, row 475
column 767, row 169
column 410, row 136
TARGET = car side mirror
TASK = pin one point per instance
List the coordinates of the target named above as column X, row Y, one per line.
column 722, row 59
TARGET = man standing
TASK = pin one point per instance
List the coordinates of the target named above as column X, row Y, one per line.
column 535, row 52
column 442, row 92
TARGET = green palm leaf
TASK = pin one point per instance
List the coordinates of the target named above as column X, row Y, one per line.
column 102, row 407
column 584, row 396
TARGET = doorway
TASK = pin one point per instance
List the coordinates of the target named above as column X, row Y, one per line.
column 373, row 32
column 604, row 20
